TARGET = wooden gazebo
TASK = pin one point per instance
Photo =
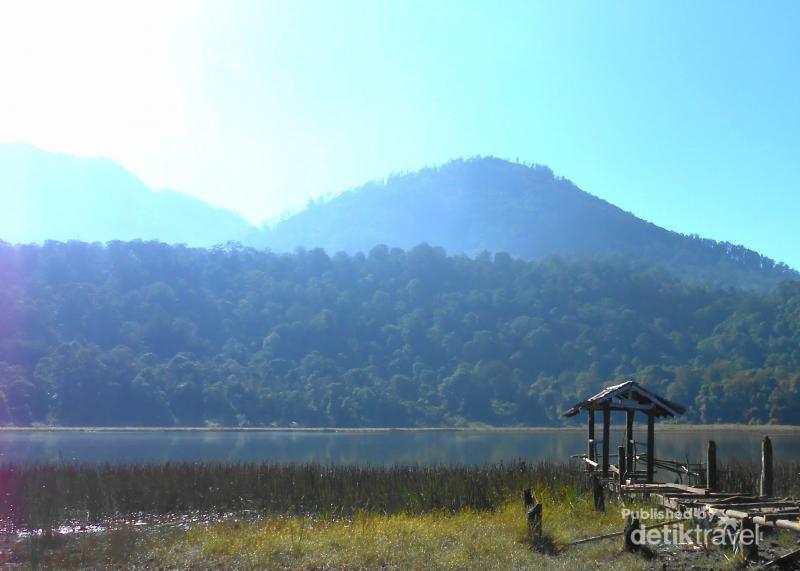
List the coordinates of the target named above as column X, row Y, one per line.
column 631, row 398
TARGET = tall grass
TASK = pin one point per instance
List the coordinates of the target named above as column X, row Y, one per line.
column 43, row 496
column 744, row 476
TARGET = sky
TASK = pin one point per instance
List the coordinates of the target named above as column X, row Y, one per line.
column 684, row 113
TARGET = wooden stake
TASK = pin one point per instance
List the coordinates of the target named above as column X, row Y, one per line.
column 599, row 499
column 766, row 467
column 629, row 414
column 590, row 451
column 535, row 525
column 711, row 466
column 632, row 526
column 527, row 497
column 606, row 437
column 651, row 448
column 747, row 545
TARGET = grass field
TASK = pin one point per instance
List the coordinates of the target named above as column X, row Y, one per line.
column 272, row 516
column 469, row 538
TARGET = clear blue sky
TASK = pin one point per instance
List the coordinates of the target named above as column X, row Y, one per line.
column 685, row 113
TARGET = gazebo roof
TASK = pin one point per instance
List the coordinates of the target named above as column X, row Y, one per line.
column 629, row 395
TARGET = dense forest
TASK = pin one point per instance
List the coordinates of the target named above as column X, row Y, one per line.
column 143, row 333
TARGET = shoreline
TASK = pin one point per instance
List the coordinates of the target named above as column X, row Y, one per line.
column 531, row 429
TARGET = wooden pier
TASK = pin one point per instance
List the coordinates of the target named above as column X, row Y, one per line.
column 696, row 491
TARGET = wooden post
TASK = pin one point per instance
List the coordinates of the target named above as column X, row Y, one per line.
column 711, row 466
column 651, row 448
column 606, row 437
column 632, row 543
column 748, row 540
column 629, row 439
column 766, row 467
column 621, row 464
column 599, row 498
column 527, row 497
column 590, row 451
column 535, row 525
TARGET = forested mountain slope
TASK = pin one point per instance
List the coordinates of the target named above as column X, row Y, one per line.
column 488, row 204
column 138, row 333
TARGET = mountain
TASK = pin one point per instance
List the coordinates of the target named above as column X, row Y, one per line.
column 465, row 206
column 50, row 196
column 488, row 204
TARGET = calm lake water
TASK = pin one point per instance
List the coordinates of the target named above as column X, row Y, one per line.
column 391, row 447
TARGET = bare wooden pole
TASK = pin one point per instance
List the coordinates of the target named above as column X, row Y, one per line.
column 711, row 466
column 606, row 437
column 651, row 448
column 765, row 520
column 622, row 464
column 784, row 559
column 766, row 467
column 629, row 439
column 619, row 533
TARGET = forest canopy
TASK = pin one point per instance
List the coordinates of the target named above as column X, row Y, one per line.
column 143, row 333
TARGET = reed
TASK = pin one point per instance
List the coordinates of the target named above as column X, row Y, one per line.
column 743, row 475
column 44, row 496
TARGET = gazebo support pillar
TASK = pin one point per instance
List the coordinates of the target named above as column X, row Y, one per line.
column 629, row 463
column 606, row 437
column 651, row 447
column 590, row 448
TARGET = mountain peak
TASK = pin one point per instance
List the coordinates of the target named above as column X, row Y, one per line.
column 490, row 204
column 467, row 206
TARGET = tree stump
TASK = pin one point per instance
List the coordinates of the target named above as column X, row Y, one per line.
column 527, row 497
column 747, row 543
column 535, row 526
column 633, row 530
column 597, row 491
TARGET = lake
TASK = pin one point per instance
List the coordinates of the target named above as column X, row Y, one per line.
column 379, row 447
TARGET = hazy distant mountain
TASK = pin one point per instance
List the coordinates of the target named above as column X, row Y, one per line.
column 465, row 206
column 488, row 204
column 49, row 196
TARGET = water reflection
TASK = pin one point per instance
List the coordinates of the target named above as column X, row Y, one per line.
column 449, row 447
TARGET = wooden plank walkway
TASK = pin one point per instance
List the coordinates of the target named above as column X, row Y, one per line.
column 771, row 512
column 703, row 500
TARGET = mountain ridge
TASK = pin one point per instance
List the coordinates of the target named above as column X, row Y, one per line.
column 466, row 206
column 488, row 204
